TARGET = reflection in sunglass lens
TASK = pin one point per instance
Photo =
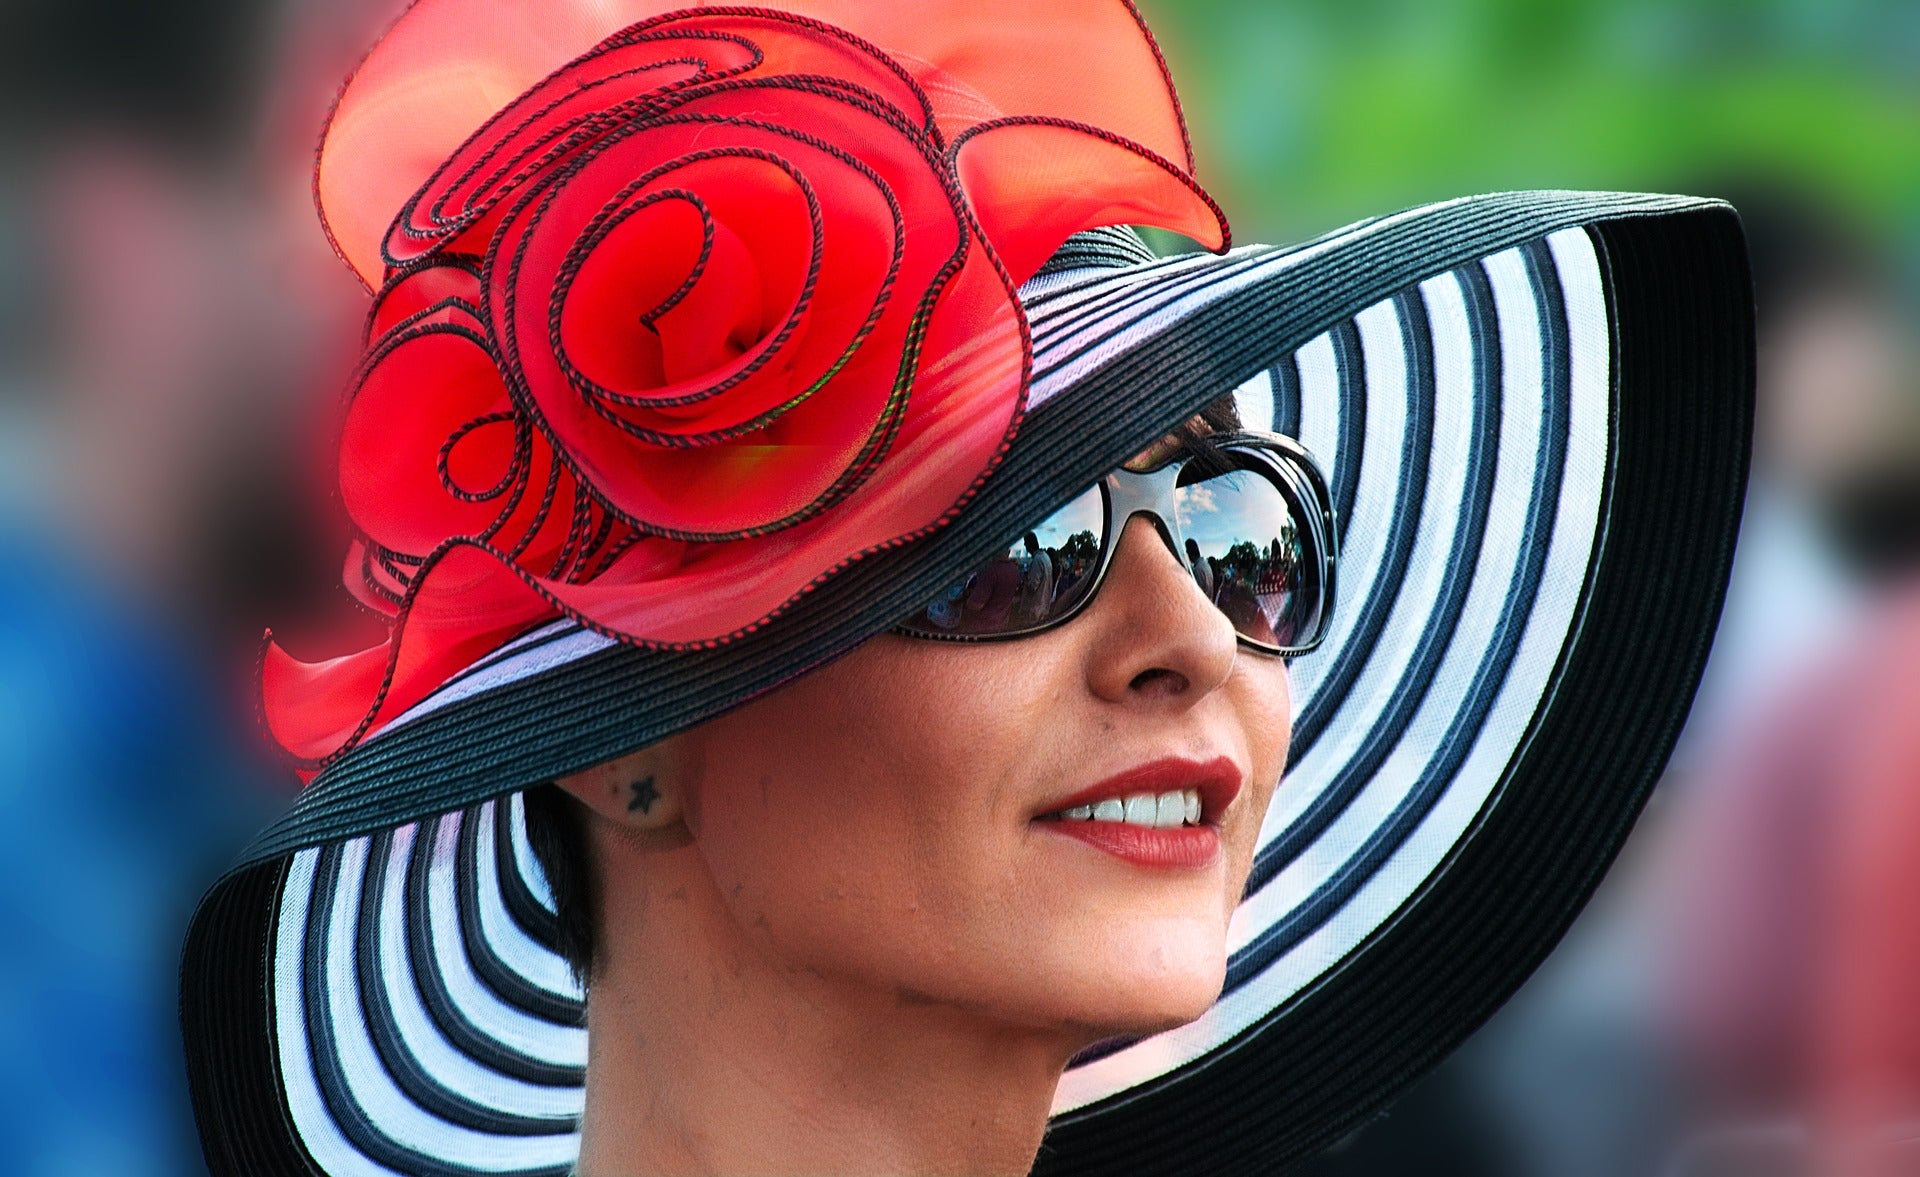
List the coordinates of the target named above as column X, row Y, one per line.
column 1247, row 551
column 1042, row 574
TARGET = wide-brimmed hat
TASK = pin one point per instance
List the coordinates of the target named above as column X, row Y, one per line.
column 1533, row 410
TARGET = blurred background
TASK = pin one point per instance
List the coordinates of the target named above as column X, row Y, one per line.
column 174, row 333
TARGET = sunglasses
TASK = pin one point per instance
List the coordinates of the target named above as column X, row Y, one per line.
column 1251, row 522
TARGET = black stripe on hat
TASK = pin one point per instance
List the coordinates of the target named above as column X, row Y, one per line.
column 502, row 978
column 1490, row 675
column 453, row 1022
column 1416, row 451
column 374, row 972
column 1286, row 396
column 533, row 915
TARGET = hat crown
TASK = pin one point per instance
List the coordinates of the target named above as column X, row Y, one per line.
column 1109, row 247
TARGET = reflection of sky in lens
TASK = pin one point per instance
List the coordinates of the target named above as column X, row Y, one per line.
column 1222, row 511
column 1082, row 514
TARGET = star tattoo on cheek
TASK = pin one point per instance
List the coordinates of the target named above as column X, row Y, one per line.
column 644, row 795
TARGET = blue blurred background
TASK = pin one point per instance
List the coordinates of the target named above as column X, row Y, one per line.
column 174, row 332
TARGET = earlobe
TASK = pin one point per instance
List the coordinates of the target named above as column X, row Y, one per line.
column 629, row 792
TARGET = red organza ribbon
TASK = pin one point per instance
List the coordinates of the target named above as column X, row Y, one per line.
column 680, row 328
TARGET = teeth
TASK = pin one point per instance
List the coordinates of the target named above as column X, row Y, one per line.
column 1157, row 810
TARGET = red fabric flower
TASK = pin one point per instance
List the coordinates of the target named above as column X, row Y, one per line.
column 667, row 335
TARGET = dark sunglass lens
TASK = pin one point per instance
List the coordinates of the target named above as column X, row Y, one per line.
column 1252, row 554
column 1042, row 574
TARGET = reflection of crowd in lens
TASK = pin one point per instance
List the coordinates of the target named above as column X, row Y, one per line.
column 1020, row 589
column 1254, row 585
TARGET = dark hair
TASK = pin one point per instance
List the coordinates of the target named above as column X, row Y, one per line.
column 557, row 823
column 557, row 831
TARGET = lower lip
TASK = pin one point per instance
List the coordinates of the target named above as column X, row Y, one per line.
column 1173, row 848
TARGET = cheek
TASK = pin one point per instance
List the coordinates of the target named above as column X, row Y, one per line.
column 1262, row 705
column 839, row 816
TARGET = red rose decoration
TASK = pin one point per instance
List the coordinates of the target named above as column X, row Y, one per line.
column 699, row 317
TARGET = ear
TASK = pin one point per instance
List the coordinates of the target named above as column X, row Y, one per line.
column 630, row 792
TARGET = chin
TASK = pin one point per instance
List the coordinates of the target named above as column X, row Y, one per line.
column 1150, row 983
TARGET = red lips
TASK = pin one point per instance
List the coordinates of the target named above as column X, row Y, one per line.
column 1217, row 779
column 1183, row 847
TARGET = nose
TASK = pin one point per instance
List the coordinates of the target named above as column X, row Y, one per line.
column 1151, row 633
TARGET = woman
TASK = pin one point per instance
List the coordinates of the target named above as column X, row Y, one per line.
column 921, row 878
column 710, row 351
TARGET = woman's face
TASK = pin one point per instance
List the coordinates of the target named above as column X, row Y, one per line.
column 882, row 820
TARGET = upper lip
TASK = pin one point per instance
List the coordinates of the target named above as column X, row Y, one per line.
column 1218, row 781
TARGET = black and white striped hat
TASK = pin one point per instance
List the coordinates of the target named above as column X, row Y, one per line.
column 1534, row 409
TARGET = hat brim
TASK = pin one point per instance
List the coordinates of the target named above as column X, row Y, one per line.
column 1535, row 410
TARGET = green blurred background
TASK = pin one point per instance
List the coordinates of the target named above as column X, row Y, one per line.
column 1308, row 114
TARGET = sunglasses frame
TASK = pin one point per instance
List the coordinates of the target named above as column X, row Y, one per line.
column 1126, row 493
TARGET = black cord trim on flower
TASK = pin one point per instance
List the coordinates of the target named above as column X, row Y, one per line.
column 603, row 224
column 392, row 342
column 790, row 20
column 458, row 435
column 881, row 438
column 441, row 227
column 1409, row 502
column 557, row 141
column 468, row 264
column 609, row 117
column 424, row 966
column 648, row 114
column 578, row 522
column 598, row 229
column 371, row 556
column 1106, row 136
column 541, row 510
column 320, row 144
column 582, row 130
column 609, row 553
column 697, row 271
column 450, row 303
column 371, row 971
column 615, row 551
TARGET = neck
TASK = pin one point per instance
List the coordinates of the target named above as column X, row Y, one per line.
column 708, row 1055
